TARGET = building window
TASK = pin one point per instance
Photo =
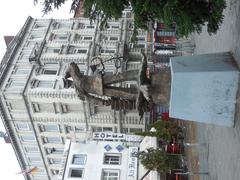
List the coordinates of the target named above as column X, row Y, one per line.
column 54, row 171
column 46, row 84
column 49, row 128
column 74, row 107
column 31, row 149
column 54, row 150
column 41, row 171
column 131, row 25
column 34, row 159
column 36, row 107
column 60, row 25
column 18, row 70
column 62, row 37
column 108, row 51
column 77, row 50
column 125, row 130
column 49, row 72
column 139, row 45
column 114, row 159
column 16, row 105
column 80, row 129
column 57, row 140
column 39, row 177
column 115, row 27
column 68, row 128
column 90, row 27
column 22, row 126
column 80, row 26
column 16, row 83
column 78, row 37
column 87, row 38
column 112, row 26
column 102, row 129
column 79, row 159
column 54, row 160
column 76, row 173
column 59, row 37
column 43, row 107
column 28, row 138
column 80, row 51
column 36, row 37
column 53, row 50
column 107, row 129
column 141, row 38
column 39, row 25
column 42, row 84
column 110, row 174
column 113, row 38
column 64, row 108
column 134, row 130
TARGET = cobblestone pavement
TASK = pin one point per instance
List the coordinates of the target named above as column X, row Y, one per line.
column 219, row 149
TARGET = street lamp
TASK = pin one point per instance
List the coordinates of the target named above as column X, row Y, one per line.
column 98, row 61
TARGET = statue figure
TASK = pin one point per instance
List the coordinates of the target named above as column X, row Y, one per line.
column 97, row 89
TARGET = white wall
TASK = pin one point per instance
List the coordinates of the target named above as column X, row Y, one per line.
column 95, row 155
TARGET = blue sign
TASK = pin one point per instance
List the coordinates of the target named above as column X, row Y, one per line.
column 107, row 147
column 119, row 148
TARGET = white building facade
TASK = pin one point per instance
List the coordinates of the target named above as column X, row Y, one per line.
column 101, row 160
column 38, row 113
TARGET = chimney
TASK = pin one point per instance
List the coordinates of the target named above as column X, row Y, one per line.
column 8, row 39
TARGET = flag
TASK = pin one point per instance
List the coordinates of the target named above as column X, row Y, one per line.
column 28, row 171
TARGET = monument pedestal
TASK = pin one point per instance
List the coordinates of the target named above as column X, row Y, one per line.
column 204, row 88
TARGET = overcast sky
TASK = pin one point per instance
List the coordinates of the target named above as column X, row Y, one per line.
column 13, row 15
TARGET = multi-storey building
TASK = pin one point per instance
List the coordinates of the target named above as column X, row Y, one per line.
column 38, row 113
column 103, row 160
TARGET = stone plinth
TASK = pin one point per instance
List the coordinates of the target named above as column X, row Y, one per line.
column 204, row 88
column 161, row 84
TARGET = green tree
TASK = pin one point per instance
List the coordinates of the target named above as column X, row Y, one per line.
column 158, row 160
column 165, row 130
column 188, row 15
column 50, row 5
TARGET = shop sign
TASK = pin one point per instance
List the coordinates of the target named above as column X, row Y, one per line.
column 132, row 163
column 108, row 136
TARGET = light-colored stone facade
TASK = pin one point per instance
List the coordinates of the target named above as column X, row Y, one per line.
column 37, row 111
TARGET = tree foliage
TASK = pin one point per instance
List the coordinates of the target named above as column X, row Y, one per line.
column 165, row 130
column 158, row 160
column 50, row 5
column 188, row 15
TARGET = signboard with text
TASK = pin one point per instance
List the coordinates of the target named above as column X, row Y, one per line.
column 116, row 136
column 132, row 163
column 108, row 136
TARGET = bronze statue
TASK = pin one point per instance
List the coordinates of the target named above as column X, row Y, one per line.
column 97, row 89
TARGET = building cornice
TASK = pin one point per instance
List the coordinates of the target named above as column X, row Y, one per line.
column 12, row 48
column 14, row 143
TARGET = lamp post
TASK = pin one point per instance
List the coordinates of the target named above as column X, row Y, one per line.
column 98, row 61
